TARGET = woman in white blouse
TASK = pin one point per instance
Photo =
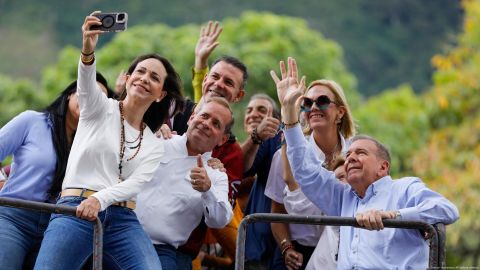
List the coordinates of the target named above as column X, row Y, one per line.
column 115, row 152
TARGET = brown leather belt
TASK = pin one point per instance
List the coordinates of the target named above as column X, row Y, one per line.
column 79, row 192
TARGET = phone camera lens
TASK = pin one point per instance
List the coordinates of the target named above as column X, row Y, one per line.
column 108, row 21
column 121, row 17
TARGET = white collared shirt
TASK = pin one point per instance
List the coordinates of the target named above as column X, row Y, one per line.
column 169, row 208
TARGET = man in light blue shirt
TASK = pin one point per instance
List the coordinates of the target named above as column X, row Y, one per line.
column 372, row 195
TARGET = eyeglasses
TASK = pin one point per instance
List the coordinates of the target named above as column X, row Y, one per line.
column 322, row 103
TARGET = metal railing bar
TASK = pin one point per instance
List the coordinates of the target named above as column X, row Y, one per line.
column 330, row 221
column 65, row 210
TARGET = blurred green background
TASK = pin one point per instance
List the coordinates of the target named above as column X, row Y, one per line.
column 409, row 68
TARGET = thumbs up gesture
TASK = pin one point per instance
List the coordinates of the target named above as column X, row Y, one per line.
column 199, row 176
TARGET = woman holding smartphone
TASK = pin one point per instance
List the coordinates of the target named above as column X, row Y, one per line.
column 114, row 153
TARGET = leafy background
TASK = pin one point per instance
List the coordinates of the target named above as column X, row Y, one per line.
column 410, row 69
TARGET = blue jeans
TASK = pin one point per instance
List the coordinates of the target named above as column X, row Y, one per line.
column 168, row 257
column 68, row 241
column 21, row 232
column 184, row 261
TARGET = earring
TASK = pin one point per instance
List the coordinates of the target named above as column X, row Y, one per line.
column 338, row 121
column 157, row 100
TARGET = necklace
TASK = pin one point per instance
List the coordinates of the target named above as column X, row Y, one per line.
column 123, row 142
column 136, row 139
column 330, row 158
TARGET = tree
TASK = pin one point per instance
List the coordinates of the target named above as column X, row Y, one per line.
column 17, row 96
column 450, row 161
column 397, row 118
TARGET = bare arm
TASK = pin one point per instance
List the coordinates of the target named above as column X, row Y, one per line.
column 249, row 150
column 265, row 130
column 281, row 233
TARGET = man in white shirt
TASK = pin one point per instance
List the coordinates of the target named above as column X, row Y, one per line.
column 183, row 189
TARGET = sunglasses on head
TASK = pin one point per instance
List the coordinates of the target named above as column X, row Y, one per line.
column 322, row 103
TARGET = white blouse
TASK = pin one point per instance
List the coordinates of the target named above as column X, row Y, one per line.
column 94, row 157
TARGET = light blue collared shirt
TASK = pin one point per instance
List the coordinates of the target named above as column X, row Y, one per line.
column 28, row 137
column 359, row 248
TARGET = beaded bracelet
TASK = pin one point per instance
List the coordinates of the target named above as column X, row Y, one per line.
column 87, row 60
column 287, row 247
column 289, row 125
column 284, row 241
column 87, row 54
column 255, row 138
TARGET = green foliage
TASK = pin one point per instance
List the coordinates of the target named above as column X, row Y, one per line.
column 56, row 78
column 16, row 96
column 450, row 164
column 386, row 43
column 450, row 161
column 397, row 118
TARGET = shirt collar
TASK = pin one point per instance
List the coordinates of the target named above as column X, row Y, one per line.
column 183, row 143
column 376, row 187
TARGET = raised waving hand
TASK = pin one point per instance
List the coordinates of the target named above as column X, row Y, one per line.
column 206, row 43
column 289, row 90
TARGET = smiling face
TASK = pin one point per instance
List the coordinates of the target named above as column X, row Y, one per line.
column 363, row 166
column 207, row 128
column 326, row 118
column 257, row 110
column 223, row 80
column 146, row 81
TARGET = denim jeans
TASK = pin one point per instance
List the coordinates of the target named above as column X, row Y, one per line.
column 21, row 232
column 68, row 241
column 184, row 261
column 168, row 257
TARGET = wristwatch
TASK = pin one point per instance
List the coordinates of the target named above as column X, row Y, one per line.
column 398, row 215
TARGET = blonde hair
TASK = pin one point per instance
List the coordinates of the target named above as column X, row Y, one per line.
column 346, row 126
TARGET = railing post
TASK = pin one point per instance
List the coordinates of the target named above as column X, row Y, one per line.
column 240, row 250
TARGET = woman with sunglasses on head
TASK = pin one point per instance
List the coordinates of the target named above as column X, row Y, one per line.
column 40, row 144
column 328, row 125
column 115, row 152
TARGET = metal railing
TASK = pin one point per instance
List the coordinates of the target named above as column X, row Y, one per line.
column 65, row 210
column 436, row 233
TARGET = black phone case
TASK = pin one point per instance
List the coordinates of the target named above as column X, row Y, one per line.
column 115, row 27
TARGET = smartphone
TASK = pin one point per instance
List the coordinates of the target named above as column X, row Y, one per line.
column 111, row 22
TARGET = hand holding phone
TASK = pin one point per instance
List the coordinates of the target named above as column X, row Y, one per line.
column 111, row 22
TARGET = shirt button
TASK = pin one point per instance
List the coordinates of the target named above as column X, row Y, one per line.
column 356, row 235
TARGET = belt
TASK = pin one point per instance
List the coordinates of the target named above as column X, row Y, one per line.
column 87, row 192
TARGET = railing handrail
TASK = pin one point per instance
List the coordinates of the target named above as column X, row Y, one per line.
column 65, row 210
column 333, row 221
